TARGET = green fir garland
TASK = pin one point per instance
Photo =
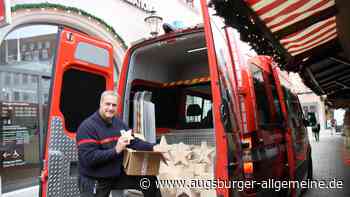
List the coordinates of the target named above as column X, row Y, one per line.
column 67, row 8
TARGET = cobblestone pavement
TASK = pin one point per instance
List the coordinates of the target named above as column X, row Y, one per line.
column 330, row 161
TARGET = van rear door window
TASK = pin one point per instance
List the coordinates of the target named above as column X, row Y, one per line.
column 267, row 103
column 261, row 97
column 92, row 54
column 295, row 117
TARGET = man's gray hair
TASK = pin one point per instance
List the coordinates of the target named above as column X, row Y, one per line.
column 109, row 92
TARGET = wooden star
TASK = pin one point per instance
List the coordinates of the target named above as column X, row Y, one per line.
column 126, row 134
column 165, row 148
column 179, row 172
column 164, row 144
column 182, row 153
column 205, row 153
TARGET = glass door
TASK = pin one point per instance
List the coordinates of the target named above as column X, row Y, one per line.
column 25, row 71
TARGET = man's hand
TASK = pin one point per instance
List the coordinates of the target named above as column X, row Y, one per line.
column 121, row 144
column 127, row 134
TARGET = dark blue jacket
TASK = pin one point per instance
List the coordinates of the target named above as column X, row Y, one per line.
column 96, row 142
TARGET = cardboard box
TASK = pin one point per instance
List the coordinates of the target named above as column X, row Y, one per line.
column 137, row 162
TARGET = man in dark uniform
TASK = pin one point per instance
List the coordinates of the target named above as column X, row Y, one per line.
column 100, row 152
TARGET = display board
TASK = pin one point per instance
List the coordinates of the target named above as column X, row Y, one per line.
column 18, row 122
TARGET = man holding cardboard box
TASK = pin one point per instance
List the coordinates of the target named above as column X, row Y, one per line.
column 101, row 148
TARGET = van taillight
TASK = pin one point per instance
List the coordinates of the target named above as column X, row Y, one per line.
column 248, row 169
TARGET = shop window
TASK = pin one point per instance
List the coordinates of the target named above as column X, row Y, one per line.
column 19, row 93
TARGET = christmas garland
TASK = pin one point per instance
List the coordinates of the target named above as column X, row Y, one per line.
column 67, row 8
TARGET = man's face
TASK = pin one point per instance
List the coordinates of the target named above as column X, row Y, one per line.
column 108, row 107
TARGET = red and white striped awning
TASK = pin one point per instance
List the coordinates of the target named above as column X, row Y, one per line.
column 280, row 14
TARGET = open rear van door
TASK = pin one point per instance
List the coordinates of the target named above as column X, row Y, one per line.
column 83, row 69
column 229, row 164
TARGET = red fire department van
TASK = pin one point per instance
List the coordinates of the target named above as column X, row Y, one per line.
column 255, row 127
column 273, row 125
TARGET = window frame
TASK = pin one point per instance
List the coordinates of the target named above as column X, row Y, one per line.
column 275, row 114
